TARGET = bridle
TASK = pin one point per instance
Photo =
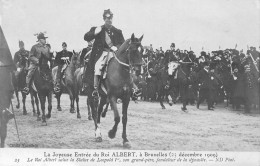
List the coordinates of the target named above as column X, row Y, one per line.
column 130, row 66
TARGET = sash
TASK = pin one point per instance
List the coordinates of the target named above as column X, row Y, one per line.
column 108, row 40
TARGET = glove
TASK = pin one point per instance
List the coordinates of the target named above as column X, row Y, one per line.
column 114, row 48
column 98, row 30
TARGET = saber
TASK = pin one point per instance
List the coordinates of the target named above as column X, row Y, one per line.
column 15, row 123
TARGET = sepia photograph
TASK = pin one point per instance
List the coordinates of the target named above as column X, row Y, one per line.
column 142, row 82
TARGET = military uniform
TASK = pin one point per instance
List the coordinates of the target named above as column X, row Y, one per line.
column 18, row 56
column 60, row 60
column 104, row 41
column 35, row 54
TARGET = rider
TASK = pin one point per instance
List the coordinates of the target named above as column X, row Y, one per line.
column 84, row 58
column 107, row 40
column 35, row 54
column 60, row 60
column 22, row 53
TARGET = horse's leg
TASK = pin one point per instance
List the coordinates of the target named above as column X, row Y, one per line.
column 3, row 131
column 37, row 105
column 93, row 107
column 125, row 103
column 99, row 110
column 43, row 100
column 32, row 101
column 161, row 96
column 17, row 97
column 58, row 101
column 89, row 110
column 112, row 132
column 24, row 107
column 105, row 110
column 77, row 101
column 103, row 101
column 49, row 105
column 72, row 110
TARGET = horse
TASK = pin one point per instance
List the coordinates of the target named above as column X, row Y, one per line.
column 6, row 92
column 42, row 81
column 69, row 83
column 183, row 82
column 78, row 86
column 118, row 83
column 163, row 85
column 19, row 82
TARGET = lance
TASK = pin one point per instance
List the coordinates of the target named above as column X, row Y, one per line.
column 235, row 46
column 254, row 62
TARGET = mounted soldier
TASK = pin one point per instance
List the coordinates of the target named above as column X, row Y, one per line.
column 62, row 60
column 35, row 54
column 84, row 58
column 107, row 41
column 20, row 61
column 19, row 55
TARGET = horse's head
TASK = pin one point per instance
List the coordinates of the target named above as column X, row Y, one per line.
column 75, row 59
column 135, row 53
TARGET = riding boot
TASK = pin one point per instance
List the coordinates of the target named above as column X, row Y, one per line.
column 96, row 85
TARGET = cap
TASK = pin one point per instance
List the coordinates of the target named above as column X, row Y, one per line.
column 107, row 13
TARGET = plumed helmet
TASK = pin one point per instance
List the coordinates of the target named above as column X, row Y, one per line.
column 107, row 13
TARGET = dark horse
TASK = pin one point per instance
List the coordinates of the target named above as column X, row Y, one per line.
column 163, row 86
column 44, row 85
column 69, row 82
column 19, row 82
column 6, row 93
column 183, row 80
column 118, row 84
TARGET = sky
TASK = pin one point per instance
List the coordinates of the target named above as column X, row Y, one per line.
column 195, row 24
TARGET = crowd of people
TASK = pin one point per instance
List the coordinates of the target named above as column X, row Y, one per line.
column 222, row 74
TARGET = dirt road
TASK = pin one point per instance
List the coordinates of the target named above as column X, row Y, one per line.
column 149, row 128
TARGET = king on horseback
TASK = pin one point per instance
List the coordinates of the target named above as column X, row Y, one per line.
column 35, row 54
column 108, row 39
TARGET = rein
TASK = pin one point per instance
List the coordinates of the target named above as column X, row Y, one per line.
column 130, row 66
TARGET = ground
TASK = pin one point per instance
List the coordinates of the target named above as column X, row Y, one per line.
column 149, row 128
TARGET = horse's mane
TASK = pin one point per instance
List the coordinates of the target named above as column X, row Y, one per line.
column 123, row 47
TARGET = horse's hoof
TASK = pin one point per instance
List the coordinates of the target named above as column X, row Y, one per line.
column 98, row 139
column 78, row 116
column 184, row 109
column 18, row 106
column 111, row 134
column 44, row 123
column 48, row 116
column 24, row 112
column 89, row 118
column 103, row 114
column 59, row 109
column 163, row 107
column 72, row 110
column 170, row 104
column 127, row 145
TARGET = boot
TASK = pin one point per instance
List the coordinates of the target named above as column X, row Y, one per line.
column 96, row 85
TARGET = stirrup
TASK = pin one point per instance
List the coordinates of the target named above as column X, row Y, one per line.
column 26, row 90
column 57, row 89
column 95, row 93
